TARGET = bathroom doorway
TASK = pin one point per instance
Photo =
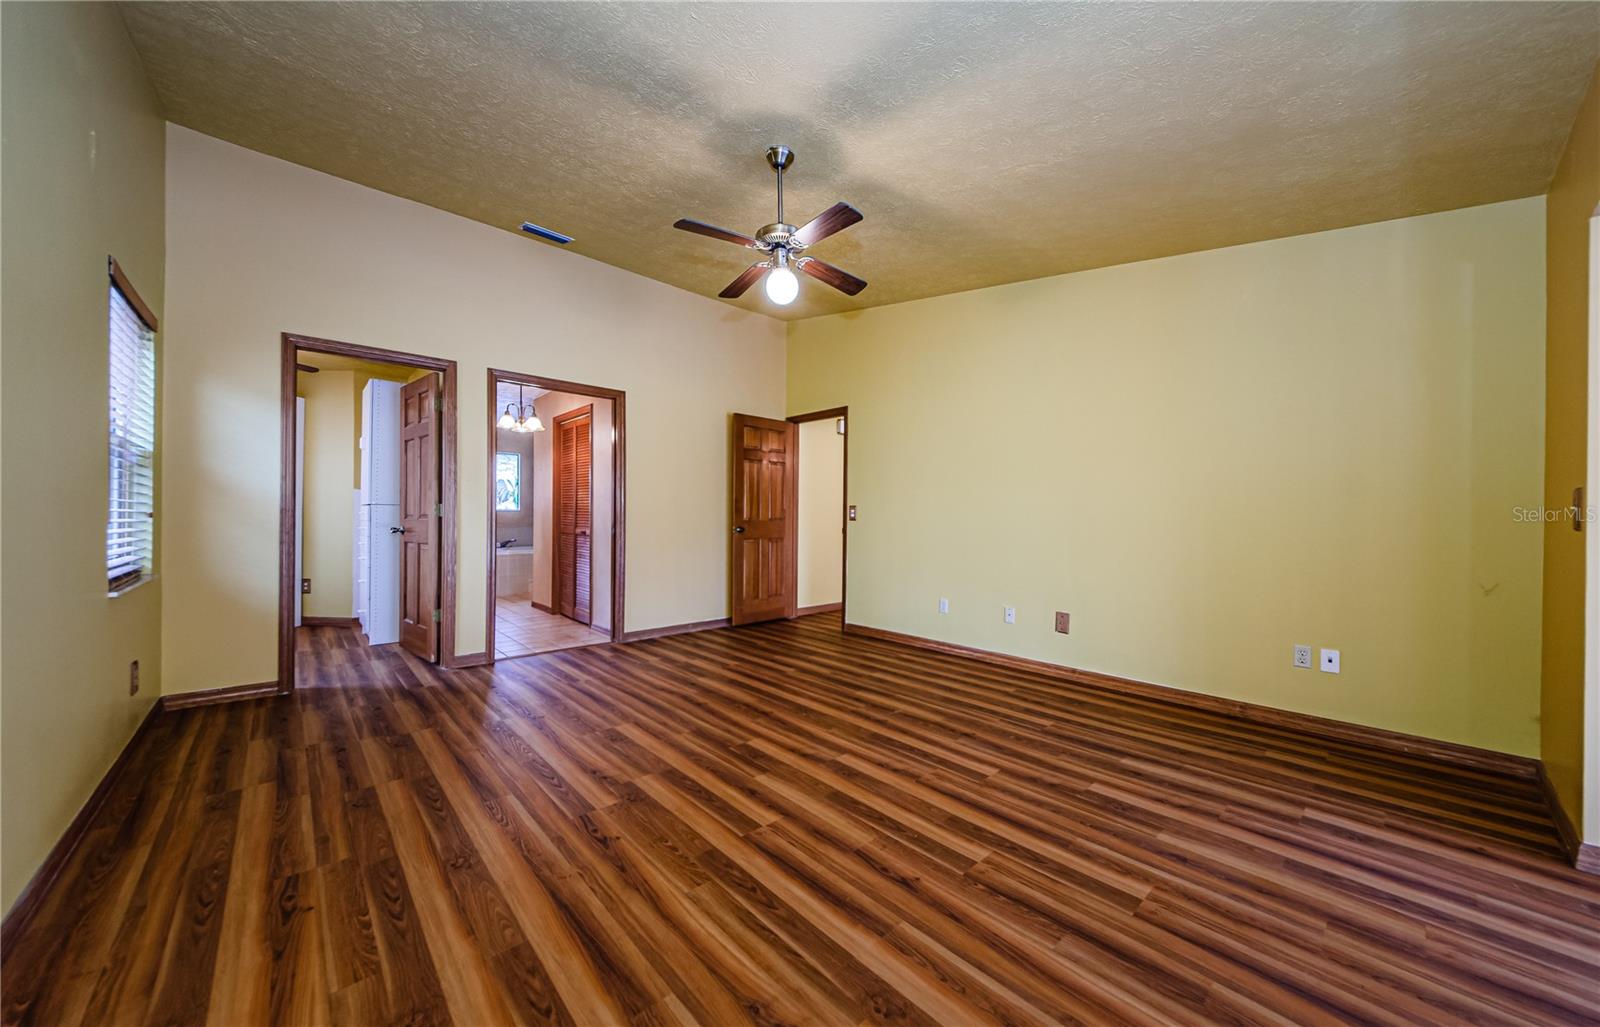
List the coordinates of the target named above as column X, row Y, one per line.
column 556, row 514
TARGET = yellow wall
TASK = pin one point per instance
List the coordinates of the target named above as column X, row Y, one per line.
column 257, row 246
column 1572, row 201
column 1209, row 458
column 821, row 544
column 82, row 173
column 333, row 415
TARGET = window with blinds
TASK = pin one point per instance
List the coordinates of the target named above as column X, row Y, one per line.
column 130, row 518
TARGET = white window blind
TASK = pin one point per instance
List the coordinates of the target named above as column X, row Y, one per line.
column 130, row 520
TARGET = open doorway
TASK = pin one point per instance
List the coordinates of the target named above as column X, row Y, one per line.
column 789, row 510
column 556, row 514
column 367, row 525
column 822, row 519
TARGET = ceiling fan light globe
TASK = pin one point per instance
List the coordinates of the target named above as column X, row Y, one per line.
column 782, row 286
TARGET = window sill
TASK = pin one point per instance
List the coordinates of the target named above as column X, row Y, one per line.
column 124, row 589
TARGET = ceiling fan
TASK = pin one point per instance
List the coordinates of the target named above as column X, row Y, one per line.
column 785, row 245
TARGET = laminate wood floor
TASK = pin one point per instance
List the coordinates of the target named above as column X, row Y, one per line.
column 785, row 825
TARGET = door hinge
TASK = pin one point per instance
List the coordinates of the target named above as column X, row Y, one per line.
column 436, row 616
column 438, row 509
column 438, row 403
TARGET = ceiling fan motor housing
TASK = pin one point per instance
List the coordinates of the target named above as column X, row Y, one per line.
column 779, row 234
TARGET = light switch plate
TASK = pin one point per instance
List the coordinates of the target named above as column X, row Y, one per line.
column 1330, row 661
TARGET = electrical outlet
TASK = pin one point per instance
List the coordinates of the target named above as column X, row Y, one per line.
column 133, row 678
column 944, row 605
column 1330, row 661
column 1302, row 657
column 1063, row 622
column 1011, row 615
column 305, row 586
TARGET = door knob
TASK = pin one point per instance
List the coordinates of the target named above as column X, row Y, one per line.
column 738, row 531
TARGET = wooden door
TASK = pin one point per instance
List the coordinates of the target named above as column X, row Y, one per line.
column 572, row 498
column 419, row 517
column 763, row 557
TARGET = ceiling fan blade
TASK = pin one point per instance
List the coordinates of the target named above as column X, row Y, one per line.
column 836, row 218
column 701, row 228
column 844, row 281
column 751, row 276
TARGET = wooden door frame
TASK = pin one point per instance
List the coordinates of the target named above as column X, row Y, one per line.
column 587, row 410
column 619, row 503
column 844, row 510
column 291, row 343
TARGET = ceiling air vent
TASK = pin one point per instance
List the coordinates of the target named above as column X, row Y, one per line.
column 546, row 234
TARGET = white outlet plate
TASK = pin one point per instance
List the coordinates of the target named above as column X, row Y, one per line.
column 944, row 605
column 1330, row 661
column 1011, row 615
column 1302, row 657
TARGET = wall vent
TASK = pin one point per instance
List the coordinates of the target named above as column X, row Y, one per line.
column 545, row 233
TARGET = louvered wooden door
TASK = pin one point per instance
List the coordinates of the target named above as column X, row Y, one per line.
column 419, row 517
column 573, row 501
column 763, row 556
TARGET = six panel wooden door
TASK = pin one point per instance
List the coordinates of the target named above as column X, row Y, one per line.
column 763, row 556
column 419, row 517
column 573, row 502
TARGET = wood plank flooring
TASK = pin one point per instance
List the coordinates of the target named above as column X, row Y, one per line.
column 786, row 825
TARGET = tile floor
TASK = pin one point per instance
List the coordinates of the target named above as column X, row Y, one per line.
column 521, row 629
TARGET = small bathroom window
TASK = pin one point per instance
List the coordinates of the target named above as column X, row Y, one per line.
column 508, row 481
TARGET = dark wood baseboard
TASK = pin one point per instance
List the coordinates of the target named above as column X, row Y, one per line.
column 31, row 899
column 1338, row 730
column 466, row 660
column 213, row 696
column 674, row 629
column 806, row 611
column 329, row 622
column 1584, row 856
column 546, row 607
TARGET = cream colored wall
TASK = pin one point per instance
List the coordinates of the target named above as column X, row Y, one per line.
column 1210, row 458
column 81, row 168
column 333, row 417
column 820, row 549
column 550, row 405
column 256, row 246
column 1565, row 723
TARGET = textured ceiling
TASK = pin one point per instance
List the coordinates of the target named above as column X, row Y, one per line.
column 339, row 362
column 984, row 142
column 506, row 394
